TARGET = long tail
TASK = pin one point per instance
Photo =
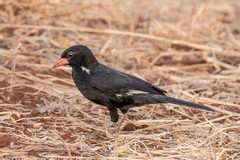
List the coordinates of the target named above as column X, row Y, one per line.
column 185, row 103
column 152, row 98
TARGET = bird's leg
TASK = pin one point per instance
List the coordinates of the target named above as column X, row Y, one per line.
column 120, row 123
column 113, row 113
column 117, row 133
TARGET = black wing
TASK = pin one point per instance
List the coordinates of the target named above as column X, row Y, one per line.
column 109, row 80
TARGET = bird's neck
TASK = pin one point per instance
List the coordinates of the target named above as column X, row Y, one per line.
column 90, row 62
column 86, row 67
column 87, row 64
column 80, row 74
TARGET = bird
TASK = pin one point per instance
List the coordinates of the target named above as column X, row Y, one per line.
column 112, row 88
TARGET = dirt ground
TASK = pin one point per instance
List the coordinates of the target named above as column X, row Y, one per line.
column 189, row 48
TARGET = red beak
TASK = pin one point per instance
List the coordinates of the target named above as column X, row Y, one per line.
column 60, row 62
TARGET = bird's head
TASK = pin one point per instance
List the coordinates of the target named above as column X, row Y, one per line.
column 77, row 55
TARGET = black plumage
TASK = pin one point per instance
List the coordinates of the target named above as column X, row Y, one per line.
column 109, row 87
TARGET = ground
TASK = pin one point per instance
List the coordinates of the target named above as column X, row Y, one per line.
column 189, row 48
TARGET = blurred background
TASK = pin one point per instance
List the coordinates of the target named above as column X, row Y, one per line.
column 189, row 48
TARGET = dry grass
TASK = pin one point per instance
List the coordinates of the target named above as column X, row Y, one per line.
column 190, row 48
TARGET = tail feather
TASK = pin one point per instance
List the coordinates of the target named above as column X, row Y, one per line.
column 153, row 98
column 186, row 103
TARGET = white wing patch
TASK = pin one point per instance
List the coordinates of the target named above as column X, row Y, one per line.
column 131, row 92
column 119, row 95
column 84, row 69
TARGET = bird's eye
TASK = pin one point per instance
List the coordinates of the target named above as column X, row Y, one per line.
column 70, row 54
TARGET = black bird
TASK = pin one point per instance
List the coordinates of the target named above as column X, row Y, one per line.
column 109, row 87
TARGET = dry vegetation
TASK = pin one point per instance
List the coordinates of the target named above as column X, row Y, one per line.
column 189, row 48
